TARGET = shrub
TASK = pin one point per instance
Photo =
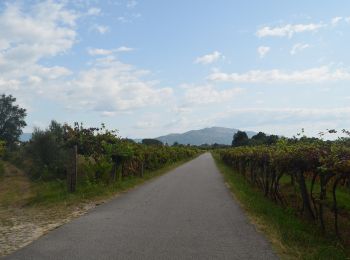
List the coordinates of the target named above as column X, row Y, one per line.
column 2, row 169
column 48, row 153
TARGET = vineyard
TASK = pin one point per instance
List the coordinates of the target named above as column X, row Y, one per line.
column 122, row 160
column 105, row 156
column 310, row 178
column 81, row 156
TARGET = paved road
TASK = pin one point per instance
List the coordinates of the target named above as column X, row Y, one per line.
column 185, row 214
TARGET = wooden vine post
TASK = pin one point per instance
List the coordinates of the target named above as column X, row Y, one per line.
column 142, row 169
column 72, row 172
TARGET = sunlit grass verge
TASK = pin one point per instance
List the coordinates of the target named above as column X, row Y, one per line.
column 55, row 192
column 290, row 236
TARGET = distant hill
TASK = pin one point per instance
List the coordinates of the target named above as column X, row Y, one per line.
column 219, row 135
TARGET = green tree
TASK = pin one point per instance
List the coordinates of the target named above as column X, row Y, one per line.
column 272, row 139
column 259, row 138
column 149, row 141
column 48, row 152
column 240, row 139
column 11, row 119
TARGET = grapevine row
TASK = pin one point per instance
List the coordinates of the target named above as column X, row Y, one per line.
column 316, row 171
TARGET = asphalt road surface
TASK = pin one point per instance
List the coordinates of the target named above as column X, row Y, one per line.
column 187, row 213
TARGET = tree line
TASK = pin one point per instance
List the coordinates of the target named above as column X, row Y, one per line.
column 240, row 138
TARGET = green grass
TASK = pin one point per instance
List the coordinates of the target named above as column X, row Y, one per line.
column 343, row 198
column 55, row 192
column 291, row 237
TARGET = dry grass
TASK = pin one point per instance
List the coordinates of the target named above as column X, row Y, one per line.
column 21, row 224
column 15, row 187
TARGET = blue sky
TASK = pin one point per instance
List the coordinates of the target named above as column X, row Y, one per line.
column 149, row 68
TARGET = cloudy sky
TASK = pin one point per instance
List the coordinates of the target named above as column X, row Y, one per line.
column 153, row 67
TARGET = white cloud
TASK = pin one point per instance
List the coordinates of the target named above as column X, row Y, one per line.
column 30, row 34
column 98, row 51
column 148, row 121
column 123, row 19
column 198, row 95
column 94, row 51
column 102, row 29
column 263, row 50
column 47, row 29
column 108, row 113
column 111, row 86
column 34, row 80
column 209, row 58
column 54, row 72
column 295, row 115
column 182, row 109
column 36, row 34
column 298, row 47
column 94, row 11
column 336, row 20
column 145, row 124
column 9, row 85
column 131, row 4
column 124, row 49
column 315, row 75
column 288, row 30
column 339, row 112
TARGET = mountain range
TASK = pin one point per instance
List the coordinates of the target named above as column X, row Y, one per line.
column 211, row 135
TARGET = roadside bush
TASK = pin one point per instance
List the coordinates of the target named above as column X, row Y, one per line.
column 47, row 153
column 2, row 148
column 2, row 169
column 102, row 169
column 2, row 151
